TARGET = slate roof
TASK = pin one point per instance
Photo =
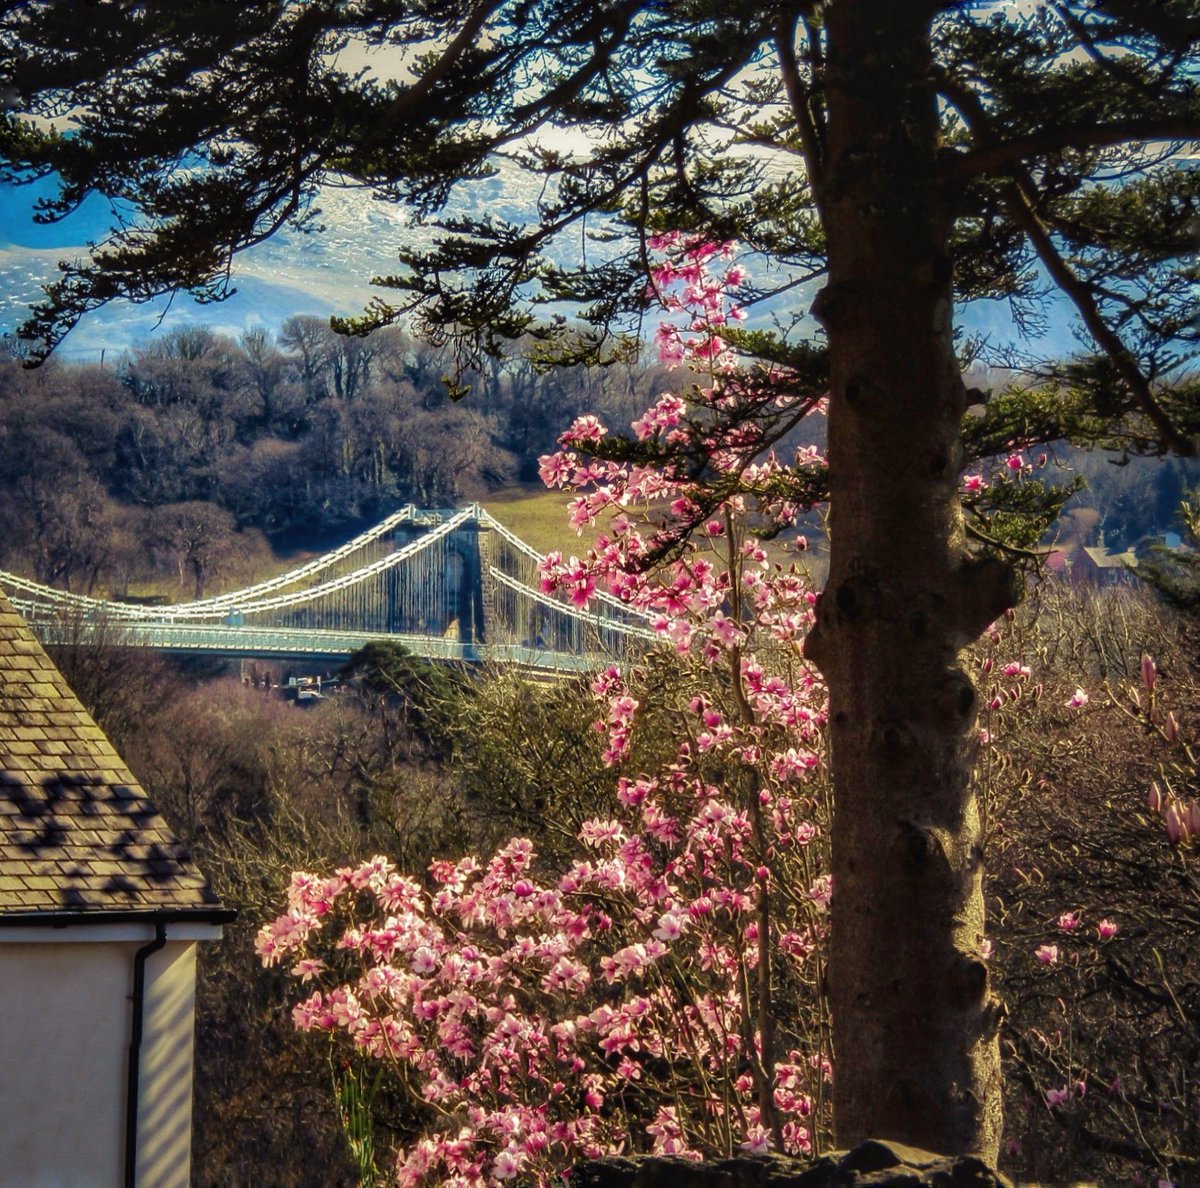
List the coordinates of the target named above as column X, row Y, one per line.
column 78, row 836
column 1105, row 559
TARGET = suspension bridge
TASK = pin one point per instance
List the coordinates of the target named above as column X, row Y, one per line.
column 452, row 585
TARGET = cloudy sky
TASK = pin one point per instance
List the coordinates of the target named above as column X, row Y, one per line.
column 290, row 274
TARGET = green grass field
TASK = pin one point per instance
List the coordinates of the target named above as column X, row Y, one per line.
column 539, row 517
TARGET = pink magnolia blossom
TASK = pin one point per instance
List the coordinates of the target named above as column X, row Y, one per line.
column 308, row 968
column 521, row 998
column 586, row 430
column 508, row 1164
column 555, row 469
column 821, row 892
column 670, row 926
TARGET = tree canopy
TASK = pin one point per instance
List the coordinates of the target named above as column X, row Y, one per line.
column 1062, row 154
column 901, row 157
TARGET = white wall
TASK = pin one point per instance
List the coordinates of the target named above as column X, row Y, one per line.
column 165, row 1092
column 64, row 1043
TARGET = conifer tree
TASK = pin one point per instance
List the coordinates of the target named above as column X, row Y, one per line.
column 903, row 156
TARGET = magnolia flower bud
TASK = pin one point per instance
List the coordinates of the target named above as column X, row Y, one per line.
column 1171, row 727
column 1149, row 673
column 1174, row 823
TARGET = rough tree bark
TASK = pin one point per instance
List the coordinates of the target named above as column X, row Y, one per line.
column 914, row 1024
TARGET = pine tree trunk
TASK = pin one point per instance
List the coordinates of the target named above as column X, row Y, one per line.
column 914, row 1024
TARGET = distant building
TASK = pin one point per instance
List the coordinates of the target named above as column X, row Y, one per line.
column 1097, row 566
column 101, row 910
column 1060, row 562
column 1106, row 567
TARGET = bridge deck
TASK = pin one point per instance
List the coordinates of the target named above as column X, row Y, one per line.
column 284, row 643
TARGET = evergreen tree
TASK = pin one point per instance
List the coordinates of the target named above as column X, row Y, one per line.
column 905, row 154
column 1175, row 573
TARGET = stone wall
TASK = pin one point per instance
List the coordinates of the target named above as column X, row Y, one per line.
column 873, row 1164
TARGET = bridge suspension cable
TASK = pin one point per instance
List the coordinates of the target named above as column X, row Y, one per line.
column 219, row 602
column 303, row 572
column 572, row 612
column 532, row 553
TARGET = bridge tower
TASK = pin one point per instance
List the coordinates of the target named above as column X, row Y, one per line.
column 486, row 544
column 449, row 594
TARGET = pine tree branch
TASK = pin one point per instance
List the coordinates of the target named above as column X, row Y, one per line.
column 1081, row 296
column 1173, row 28
column 1002, row 155
column 1110, row 65
column 812, row 136
column 1020, row 195
column 409, row 99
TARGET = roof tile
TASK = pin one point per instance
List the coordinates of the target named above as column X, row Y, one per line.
column 77, row 832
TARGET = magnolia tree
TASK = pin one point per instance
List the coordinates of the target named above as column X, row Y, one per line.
column 1179, row 811
column 1088, row 801
column 663, row 992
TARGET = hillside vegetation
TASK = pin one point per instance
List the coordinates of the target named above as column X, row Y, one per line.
column 192, row 463
column 198, row 462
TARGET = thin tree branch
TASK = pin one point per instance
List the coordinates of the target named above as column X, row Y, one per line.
column 1081, row 296
column 408, row 99
column 1088, row 44
column 811, row 136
